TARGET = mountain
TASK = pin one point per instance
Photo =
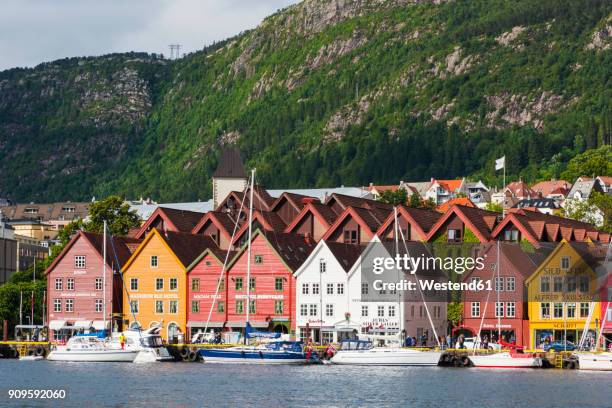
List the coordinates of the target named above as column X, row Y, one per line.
column 325, row 92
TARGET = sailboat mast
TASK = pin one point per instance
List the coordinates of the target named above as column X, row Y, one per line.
column 498, row 290
column 104, row 276
column 399, row 302
column 248, row 279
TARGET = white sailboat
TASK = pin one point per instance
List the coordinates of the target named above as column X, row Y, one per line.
column 360, row 352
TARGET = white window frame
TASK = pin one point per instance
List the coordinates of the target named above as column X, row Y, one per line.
column 365, row 311
column 69, row 306
column 159, row 302
column 510, row 287
column 134, row 284
column 510, row 309
column 80, row 262
column 175, row 284
column 59, row 284
column 98, row 284
column 154, row 261
column 157, row 288
column 475, row 309
column 69, row 283
column 329, row 310
column 305, row 288
column 57, row 305
column 499, row 309
column 175, row 303
column 99, row 305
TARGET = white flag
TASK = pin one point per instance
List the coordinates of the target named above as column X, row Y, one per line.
column 500, row 163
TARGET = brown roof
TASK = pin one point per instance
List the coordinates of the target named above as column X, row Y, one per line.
column 326, row 212
column 483, row 220
column 230, row 165
column 520, row 189
column 346, row 254
column 224, row 219
column 545, row 188
column 187, row 247
column 425, row 218
column 275, row 221
column 182, row 219
column 48, row 211
column 293, row 248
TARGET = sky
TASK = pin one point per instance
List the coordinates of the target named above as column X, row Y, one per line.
column 35, row 31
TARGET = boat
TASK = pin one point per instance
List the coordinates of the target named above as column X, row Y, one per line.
column 31, row 358
column 276, row 352
column 91, row 348
column 148, row 343
column 592, row 361
column 363, row 352
column 506, row 359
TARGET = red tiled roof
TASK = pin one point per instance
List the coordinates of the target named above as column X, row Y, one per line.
column 458, row 200
column 545, row 188
column 520, row 189
column 449, row 185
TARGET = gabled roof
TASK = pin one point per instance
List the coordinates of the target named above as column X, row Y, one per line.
column 519, row 189
column 419, row 218
column 579, row 248
column 538, row 203
column 230, row 165
column 121, row 247
column 345, row 254
column 297, row 201
column 367, row 219
column 544, row 188
column 349, row 201
column 176, row 220
column 522, row 261
column 452, row 186
column 480, row 222
column 217, row 253
column 221, row 220
column 270, row 221
column 584, row 186
column 323, row 213
column 444, row 207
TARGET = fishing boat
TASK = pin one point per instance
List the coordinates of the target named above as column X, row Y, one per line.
column 91, row 348
column 506, row 359
column 592, row 361
column 276, row 352
column 363, row 352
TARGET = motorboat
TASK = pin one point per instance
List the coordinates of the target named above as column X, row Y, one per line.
column 148, row 343
column 363, row 352
column 592, row 361
column 91, row 348
column 277, row 352
column 506, row 359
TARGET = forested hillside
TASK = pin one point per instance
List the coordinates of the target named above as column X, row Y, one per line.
column 321, row 93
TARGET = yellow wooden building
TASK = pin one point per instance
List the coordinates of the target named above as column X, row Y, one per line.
column 155, row 279
column 562, row 292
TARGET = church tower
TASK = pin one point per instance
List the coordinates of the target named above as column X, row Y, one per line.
column 229, row 176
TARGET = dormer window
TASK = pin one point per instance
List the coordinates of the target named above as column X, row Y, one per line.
column 454, row 235
column 351, row 237
column 30, row 210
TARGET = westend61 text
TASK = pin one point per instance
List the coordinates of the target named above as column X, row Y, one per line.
column 428, row 285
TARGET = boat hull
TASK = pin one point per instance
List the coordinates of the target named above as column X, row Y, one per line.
column 93, row 356
column 594, row 362
column 229, row 356
column 152, row 355
column 505, row 360
column 390, row 357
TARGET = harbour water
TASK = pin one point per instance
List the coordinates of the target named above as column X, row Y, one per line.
column 195, row 385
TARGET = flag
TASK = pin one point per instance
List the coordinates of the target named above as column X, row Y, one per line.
column 500, row 163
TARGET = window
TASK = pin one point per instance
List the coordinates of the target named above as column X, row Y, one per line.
column 391, row 311
column 313, row 310
column 98, row 304
column 134, row 306
column 351, row 237
column 499, row 284
column 195, row 284
column 57, row 305
column 238, row 283
column 259, row 259
column 499, row 309
column 364, row 311
column 252, row 307
column 340, row 288
column 154, row 261
column 58, row 283
column 330, row 288
column 278, row 284
column 159, row 306
column 322, row 266
column 173, row 284
column 174, row 306
column 279, row 307
column 476, row 279
column 545, row 284
column 329, row 310
column 69, row 305
column 381, row 311
column 558, row 284
column 221, row 307
column 98, row 284
column 252, row 283
column 545, row 310
column 327, row 337
column 511, row 235
column 134, row 284
column 571, row 310
column 315, row 289
column 195, row 306
column 364, row 288
column 510, row 309
column 565, row 262
column 305, row 288
column 303, row 309
column 558, row 310
column 70, row 284
column 475, row 309
column 510, row 283
column 79, row 262
column 571, row 283
column 584, row 309
column 584, row 284
column 159, row 284
column 454, row 235
column 421, row 311
column 239, row 307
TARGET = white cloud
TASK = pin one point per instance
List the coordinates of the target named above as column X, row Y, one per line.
column 33, row 31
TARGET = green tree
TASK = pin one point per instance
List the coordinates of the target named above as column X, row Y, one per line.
column 494, row 207
column 415, row 200
column 454, row 312
column 115, row 212
column 603, row 202
column 596, row 162
column 394, row 197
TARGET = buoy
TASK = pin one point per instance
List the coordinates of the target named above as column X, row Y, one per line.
column 184, row 352
column 193, row 356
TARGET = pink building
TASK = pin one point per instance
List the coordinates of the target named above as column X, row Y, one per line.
column 75, row 284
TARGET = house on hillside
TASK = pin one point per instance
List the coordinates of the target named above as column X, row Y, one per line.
column 440, row 191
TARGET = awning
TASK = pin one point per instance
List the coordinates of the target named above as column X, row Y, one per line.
column 99, row 324
column 253, row 324
column 56, row 324
column 203, row 324
column 82, row 324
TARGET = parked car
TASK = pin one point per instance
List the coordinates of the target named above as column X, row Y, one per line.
column 560, row 345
